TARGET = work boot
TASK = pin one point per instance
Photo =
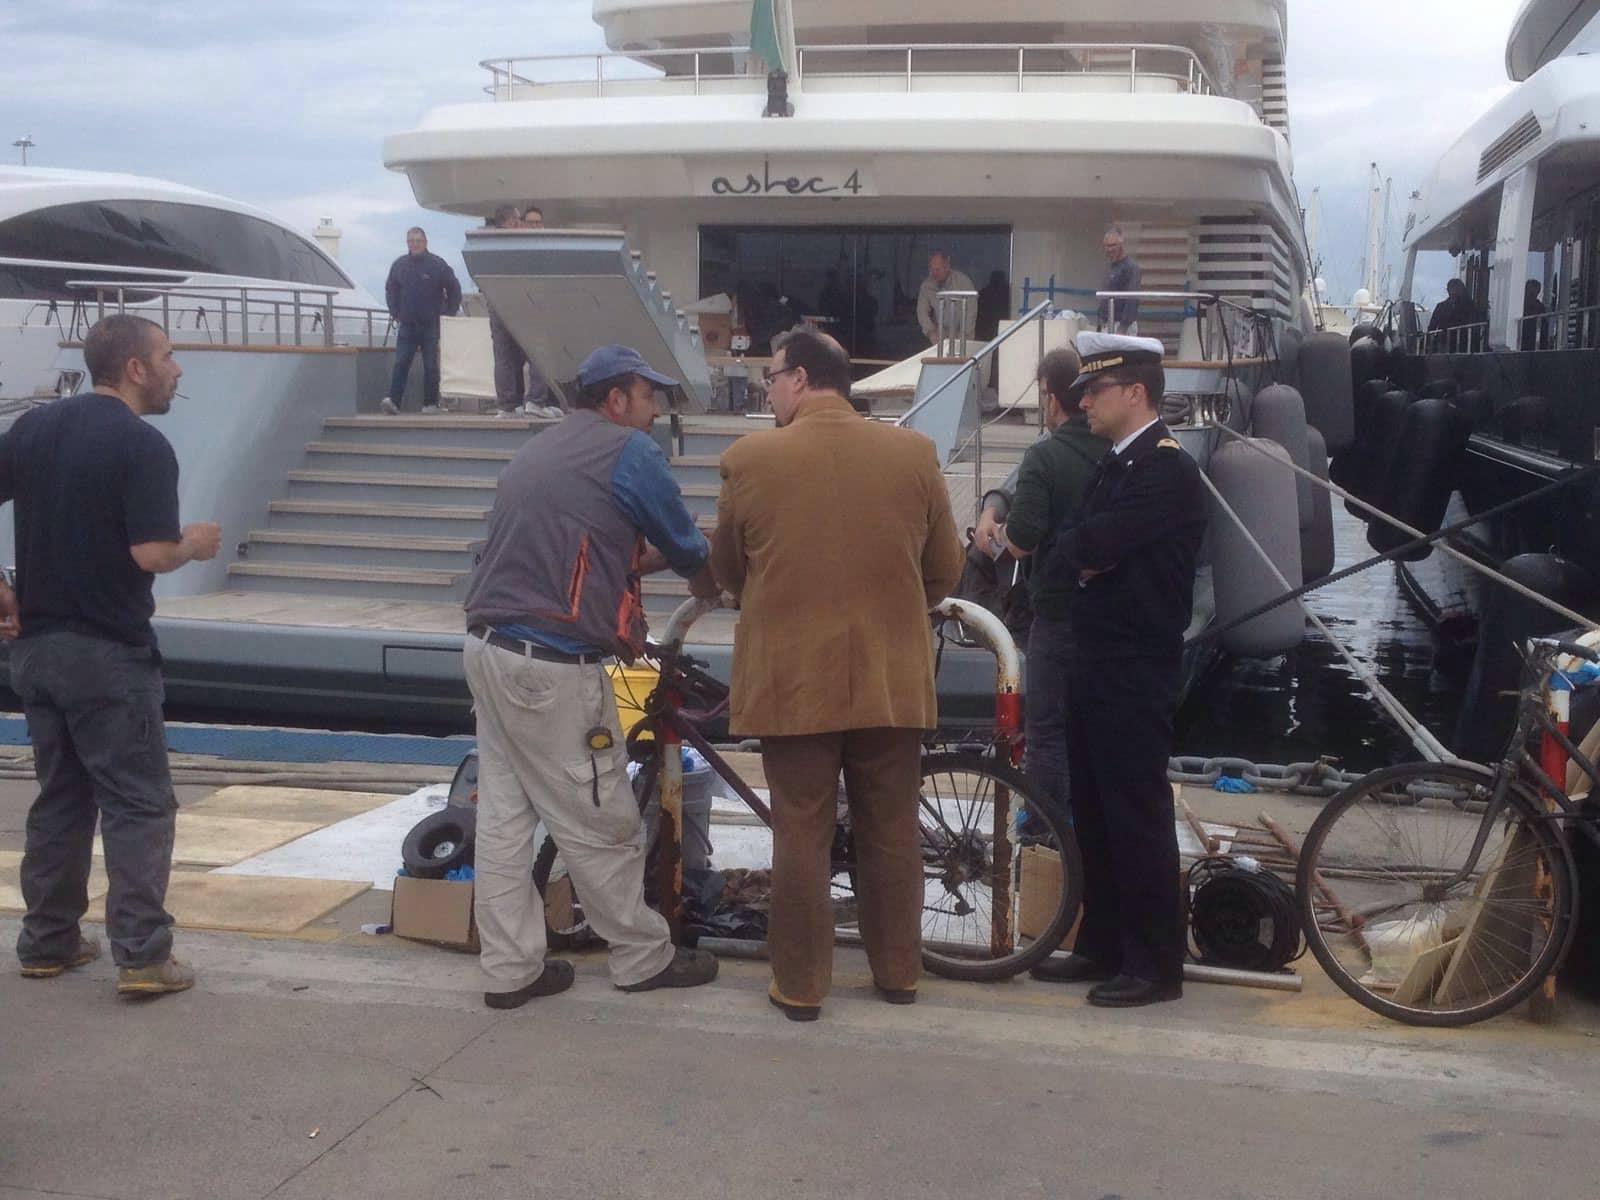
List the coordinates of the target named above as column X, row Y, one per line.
column 88, row 950
column 556, row 977
column 155, row 980
column 688, row 968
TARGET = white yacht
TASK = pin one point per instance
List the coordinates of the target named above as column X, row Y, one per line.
column 1009, row 137
column 1512, row 210
column 74, row 242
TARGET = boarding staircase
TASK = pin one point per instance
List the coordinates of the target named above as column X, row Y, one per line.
column 1165, row 254
column 396, row 508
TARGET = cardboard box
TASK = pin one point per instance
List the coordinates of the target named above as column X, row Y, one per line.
column 434, row 910
column 716, row 330
column 1038, row 893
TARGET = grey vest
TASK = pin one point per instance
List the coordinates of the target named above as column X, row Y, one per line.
column 561, row 556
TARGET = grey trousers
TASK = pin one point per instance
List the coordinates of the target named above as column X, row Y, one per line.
column 509, row 362
column 534, row 765
column 94, row 717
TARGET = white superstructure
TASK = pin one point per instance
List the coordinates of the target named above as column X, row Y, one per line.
column 1517, row 197
column 1010, row 134
column 61, row 230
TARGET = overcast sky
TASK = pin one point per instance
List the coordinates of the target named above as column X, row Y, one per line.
column 285, row 105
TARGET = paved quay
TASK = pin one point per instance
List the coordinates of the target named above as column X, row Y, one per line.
column 330, row 1063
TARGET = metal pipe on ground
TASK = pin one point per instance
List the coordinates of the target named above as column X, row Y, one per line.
column 1192, row 972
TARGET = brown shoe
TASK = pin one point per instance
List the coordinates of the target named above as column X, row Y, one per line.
column 88, row 950
column 556, row 977
column 156, row 980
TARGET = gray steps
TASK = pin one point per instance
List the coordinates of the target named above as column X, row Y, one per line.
column 701, row 499
column 362, row 549
column 702, row 469
column 387, row 583
column 445, row 430
column 474, row 461
column 383, row 487
column 427, row 520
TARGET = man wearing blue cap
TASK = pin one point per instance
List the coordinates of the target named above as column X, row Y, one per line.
column 1127, row 561
column 580, row 514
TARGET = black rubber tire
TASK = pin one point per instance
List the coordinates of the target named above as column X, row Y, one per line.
column 1554, row 858
column 1058, row 836
column 580, row 935
column 440, row 842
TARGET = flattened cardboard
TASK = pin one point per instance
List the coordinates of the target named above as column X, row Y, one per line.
column 434, row 910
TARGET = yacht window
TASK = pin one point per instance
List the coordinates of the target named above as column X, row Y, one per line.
column 162, row 235
column 858, row 283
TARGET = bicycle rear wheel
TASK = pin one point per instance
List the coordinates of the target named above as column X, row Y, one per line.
column 979, row 825
column 1407, row 921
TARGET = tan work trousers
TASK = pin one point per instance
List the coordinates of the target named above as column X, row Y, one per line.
column 882, row 772
column 534, row 764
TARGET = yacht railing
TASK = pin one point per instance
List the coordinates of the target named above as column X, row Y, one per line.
column 1119, row 66
column 953, row 391
column 313, row 317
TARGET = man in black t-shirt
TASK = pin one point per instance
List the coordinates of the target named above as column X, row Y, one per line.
column 96, row 510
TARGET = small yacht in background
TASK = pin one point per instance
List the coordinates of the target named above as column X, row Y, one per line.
column 61, row 231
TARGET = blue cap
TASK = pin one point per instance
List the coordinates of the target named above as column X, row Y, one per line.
column 610, row 361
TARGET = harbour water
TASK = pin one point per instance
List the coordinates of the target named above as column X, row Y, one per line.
column 1310, row 702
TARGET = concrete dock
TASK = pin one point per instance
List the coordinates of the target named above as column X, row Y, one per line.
column 330, row 1063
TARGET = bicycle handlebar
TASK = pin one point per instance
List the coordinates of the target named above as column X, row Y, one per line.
column 1565, row 647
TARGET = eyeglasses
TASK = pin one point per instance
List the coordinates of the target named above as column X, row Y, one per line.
column 1100, row 385
column 768, row 374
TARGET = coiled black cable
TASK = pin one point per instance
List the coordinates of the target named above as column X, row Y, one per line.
column 1242, row 918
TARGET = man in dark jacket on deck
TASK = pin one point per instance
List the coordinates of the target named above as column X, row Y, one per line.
column 421, row 289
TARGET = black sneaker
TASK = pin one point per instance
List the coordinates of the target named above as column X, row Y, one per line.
column 688, row 968
column 556, row 977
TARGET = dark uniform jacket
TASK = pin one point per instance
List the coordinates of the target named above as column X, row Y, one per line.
column 422, row 288
column 1129, row 557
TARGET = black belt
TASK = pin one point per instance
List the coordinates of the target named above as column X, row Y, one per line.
column 531, row 649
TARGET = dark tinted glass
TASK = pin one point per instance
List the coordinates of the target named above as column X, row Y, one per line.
column 158, row 234
column 858, row 282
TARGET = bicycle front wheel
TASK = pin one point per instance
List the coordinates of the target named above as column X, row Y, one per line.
column 1424, row 906
column 982, row 833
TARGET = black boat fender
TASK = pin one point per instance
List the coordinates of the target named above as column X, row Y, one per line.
column 1424, row 470
column 1327, row 387
column 1525, row 420
column 1352, row 466
column 1368, row 360
column 1260, row 488
column 1380, row 449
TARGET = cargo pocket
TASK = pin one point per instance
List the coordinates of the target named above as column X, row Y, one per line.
column 605, row 802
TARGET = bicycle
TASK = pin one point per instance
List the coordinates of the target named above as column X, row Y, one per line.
column 1444, row 893
column 976, row 814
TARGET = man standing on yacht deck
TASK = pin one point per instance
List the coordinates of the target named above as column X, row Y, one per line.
column 581, row 512
column 519, row 389
column 942, row 277
column 421, row 288
column 836, row 533
column 96, row 492
column 1122, row 275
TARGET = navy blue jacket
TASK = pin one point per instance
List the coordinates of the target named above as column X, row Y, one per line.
column 423, row 288
column 1127, row 560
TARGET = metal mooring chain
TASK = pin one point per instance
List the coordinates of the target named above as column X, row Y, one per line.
column 1320, row 778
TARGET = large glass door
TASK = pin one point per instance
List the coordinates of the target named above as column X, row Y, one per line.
column 860, row 283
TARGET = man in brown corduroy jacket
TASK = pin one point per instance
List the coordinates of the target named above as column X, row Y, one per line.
column 836, row 535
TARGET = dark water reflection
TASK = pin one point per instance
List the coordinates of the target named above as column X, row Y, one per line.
column 1310, row 702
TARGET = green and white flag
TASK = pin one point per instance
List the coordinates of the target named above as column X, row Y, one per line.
column 772, row 34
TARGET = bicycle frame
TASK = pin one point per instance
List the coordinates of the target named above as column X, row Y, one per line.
column 1534, row 715
column 664, row 709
